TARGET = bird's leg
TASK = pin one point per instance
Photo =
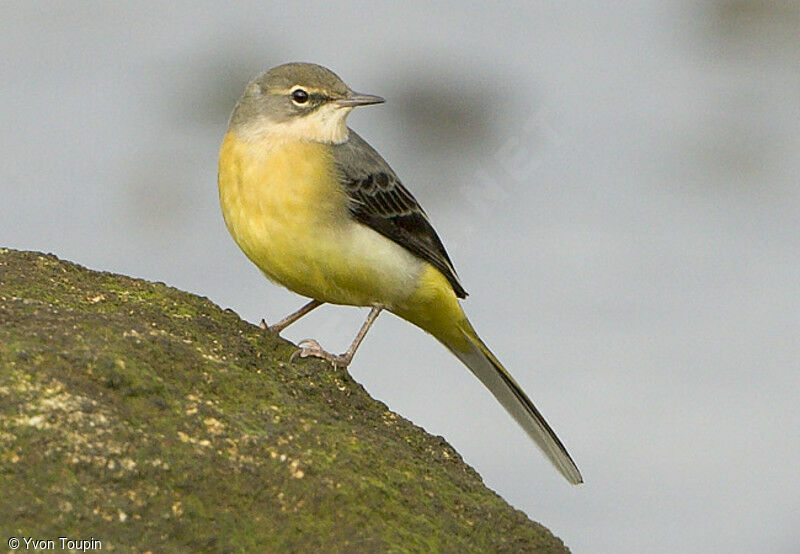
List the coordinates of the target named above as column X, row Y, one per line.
column 310, row 347
column 291, row 318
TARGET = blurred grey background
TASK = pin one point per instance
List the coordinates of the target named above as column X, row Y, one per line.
column 617, row 183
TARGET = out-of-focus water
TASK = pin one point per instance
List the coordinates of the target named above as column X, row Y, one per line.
column 618, row 186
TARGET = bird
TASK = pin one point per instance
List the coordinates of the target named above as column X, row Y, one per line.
column 320, row 212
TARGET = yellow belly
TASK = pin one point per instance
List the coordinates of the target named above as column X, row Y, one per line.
column 286, row 211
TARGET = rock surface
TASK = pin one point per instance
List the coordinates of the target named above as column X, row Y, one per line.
column 150, row 419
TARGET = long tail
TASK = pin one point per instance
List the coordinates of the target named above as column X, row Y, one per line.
column 435, row 308
column 486, row 367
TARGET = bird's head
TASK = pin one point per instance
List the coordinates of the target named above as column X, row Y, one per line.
column 297, row 101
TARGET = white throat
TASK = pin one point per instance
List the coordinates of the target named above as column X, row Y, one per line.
column 327, row 124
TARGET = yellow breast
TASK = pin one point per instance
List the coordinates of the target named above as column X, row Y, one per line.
column 285, row 209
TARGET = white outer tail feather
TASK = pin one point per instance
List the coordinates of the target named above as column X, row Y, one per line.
column 494, row 376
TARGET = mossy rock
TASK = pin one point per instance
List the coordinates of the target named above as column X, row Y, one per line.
column 150, row 419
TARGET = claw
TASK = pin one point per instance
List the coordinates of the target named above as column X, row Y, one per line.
column 311, row 348
column 274, row 329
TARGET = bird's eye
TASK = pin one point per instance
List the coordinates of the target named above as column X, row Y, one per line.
column 299, row 96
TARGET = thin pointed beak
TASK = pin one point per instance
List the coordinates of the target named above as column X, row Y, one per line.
column 357, row 99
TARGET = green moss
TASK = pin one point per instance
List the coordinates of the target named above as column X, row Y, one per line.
column 152, row 420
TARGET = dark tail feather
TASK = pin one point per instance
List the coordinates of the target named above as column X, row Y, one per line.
column 494, row 376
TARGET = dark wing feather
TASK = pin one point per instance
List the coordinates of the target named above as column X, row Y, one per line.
column 379, row 200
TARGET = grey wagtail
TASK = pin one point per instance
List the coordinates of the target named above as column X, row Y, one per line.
column 320, row 212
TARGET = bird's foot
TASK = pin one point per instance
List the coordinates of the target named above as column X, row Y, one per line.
column 311, row 348
column 275, row 329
